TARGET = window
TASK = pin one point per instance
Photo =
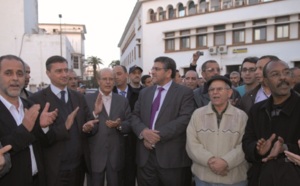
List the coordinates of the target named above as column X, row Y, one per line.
column 192, row 8
column 185, row 40
column 227, row 4
column 251, row 2
column 239, row 35
column 171, row 13
column 203, row 6
column 282, row 30
column 181, row 10
column 259, row 32
column 239, row 2
column 75, row 62
column 219, row 37
column 215, row 5
column 152, row 16
column 170, row 41
column 201, row 38
column 161, row 14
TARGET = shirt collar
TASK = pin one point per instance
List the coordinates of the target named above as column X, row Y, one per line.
column 8, row 105
column 166, row 86
column 57, row 90
column 109, row 95
column 126, row 90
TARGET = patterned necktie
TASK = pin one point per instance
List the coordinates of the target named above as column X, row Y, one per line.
column 155, row 106
column 123, row 93
column 62, row 96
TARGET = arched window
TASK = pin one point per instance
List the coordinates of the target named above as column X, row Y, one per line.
column 203, row 6
column 181, row 11
column 152, row 15
column 161, row 14
column 171, row 12
column 192, row 8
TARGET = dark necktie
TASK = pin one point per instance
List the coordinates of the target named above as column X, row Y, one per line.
column 62, row 96
column 155, row 106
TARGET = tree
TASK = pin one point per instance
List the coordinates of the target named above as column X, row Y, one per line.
column 114, row 63
column 95, row 62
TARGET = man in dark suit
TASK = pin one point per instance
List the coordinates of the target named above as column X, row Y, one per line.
column 132, row 94
column 17, row 126
column 66, row 153
column 107, row 146
column 160, row 119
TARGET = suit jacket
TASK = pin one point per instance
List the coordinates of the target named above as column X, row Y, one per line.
column 171, row 123
column 54, row 140
column 108, row 143
column 132, row 95
column 7, row 165
column 20, row 139
column 248, row 99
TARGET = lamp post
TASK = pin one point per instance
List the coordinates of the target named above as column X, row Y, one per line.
column 60, row 42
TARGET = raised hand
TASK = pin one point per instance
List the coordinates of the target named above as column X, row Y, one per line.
column 70, row 119
column 46, row 117
column 263, row 146
column 276, row 149
column 88, row 126
column 98, row 104
column 30, row 116
column 3, row 150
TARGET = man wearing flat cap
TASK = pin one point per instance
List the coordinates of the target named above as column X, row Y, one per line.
column 214, row 138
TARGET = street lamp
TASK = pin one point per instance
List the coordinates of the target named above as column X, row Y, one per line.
column 60, row 16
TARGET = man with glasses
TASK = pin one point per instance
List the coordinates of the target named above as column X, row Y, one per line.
column 159, row 119
column 273, row 127
column 261, row 91
column 214, row 142
column 209, row 69
column 248, row 69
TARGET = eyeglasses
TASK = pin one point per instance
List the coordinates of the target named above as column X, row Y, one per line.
column 156, row 68
column 212, row 69
column 277, row 75
column 250, row 70
column 218, row 89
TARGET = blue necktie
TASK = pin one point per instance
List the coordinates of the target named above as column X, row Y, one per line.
column 123, row 93
column 155, row 106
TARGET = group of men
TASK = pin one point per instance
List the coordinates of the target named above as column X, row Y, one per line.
column 152, row 130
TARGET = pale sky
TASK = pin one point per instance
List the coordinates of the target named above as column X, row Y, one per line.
column 105, row 21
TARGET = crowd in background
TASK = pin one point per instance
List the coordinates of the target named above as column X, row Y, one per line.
column 162, row 129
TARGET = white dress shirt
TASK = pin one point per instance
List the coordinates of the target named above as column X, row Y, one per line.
column 18, row 115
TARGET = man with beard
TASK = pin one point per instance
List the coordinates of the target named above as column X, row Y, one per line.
column 135, row 74
column 273, row 127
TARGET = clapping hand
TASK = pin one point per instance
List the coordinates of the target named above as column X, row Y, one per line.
column 47, row 118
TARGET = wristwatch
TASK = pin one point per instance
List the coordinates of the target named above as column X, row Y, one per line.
column 119, row 128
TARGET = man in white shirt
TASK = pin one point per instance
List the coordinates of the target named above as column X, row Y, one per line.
column 17, row 126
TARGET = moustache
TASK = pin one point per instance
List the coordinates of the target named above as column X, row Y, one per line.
column 283, row 83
